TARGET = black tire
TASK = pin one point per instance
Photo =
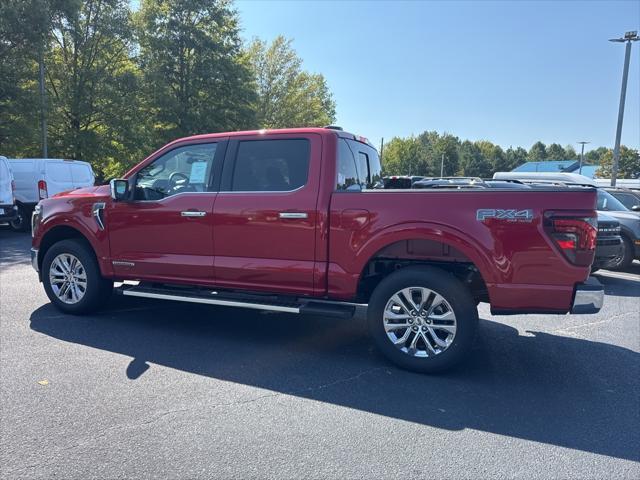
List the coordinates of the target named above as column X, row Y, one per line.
column 626, row 258
column 98, row 289
column 454, row 293
column 21, row 222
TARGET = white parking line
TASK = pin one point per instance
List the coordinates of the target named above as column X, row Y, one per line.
column 626, row 276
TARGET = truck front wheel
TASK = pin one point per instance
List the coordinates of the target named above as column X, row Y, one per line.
column 72, row 279
column 422, row 319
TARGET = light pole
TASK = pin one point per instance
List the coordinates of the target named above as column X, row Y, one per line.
column 628, row 38
column 442, row 166
column 582, row 156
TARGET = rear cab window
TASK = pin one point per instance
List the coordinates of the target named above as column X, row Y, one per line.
column 358, row 166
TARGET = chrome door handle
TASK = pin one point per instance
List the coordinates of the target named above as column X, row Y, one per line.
column 193, row 213
column 293, row 215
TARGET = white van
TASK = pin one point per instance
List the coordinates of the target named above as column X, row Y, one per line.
column 8, row 210
column 39, row 178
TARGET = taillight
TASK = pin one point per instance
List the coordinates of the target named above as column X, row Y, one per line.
column 42, row 189
column 575, row 237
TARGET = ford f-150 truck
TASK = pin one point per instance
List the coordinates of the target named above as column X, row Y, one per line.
column 287, row 220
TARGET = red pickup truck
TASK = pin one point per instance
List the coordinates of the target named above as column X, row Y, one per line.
column 290, row 221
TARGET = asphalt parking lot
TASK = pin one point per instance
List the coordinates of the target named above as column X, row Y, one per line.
column 159, row 389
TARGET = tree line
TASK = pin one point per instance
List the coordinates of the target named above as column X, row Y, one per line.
column 120, row 83
column 423, row 155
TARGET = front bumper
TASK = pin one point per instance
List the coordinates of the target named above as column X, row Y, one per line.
column 607, row 252
column 34, row 259
column 10, row 213
column 588, row 297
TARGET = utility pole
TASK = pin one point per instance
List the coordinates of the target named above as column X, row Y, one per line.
column 628, row 38
column 43, row 103
column 582, row 156
column 442, row 166
column 381, row 148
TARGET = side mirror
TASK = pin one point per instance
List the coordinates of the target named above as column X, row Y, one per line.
column 636, row 208
column 119, row 189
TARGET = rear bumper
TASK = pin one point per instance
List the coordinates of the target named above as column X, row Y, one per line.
column 588, row 297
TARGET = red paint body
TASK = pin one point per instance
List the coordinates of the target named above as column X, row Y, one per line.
column 243, row 244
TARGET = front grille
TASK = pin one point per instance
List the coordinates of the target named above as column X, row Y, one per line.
column 608, row 229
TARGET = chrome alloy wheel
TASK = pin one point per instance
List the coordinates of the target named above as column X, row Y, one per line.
column 68, row 278
column 419, row 322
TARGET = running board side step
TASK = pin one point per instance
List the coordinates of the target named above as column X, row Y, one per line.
column 304, row 306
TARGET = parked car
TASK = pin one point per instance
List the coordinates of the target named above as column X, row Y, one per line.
column 395, row 182
column 629, row 198
column 39, row 178
column 609, row 243
column 8, row 209
column 287, row 221
column 607, row 203
column 629, row 224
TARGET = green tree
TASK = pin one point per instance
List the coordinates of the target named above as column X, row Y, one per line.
column 435, row 146
column 472, row 162
column 196, row 78
column 405, row 156
column 556, row 152
column 537, row 152
column 515, row 157
column 287, row 95
column 594, row 156
column 628, row 166
column 570, row 153
column 93, row 85
column 493, row 155
column 24, row 32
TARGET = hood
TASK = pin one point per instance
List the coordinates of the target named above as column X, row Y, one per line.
column 94, row 191
column 622, row 215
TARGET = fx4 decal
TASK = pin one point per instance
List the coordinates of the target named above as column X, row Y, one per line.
column 511, row 215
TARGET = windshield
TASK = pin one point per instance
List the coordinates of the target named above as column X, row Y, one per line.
column 606, row 201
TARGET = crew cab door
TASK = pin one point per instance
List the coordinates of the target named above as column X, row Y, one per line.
column 265, row 215
column 165, row 232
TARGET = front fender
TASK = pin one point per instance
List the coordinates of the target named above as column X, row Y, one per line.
column 76, row 214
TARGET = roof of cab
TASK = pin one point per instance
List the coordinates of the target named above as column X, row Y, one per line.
column 266, row 132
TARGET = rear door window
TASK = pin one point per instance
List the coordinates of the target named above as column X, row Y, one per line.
column 271, row 165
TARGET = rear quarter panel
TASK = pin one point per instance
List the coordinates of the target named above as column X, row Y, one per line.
column 522, row 268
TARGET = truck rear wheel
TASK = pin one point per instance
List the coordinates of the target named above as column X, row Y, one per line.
column 422, row 319
column 72, row 278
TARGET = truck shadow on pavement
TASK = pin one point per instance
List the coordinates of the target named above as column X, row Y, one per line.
column 559, row 390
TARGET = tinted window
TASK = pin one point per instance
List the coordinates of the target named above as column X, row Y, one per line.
column 368, row 162
column 606, row 201
column 271, row 165
column 347, row 173
column 627, row 199
column 185, row 169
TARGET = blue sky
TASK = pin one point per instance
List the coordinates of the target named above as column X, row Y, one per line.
column 509, row 72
